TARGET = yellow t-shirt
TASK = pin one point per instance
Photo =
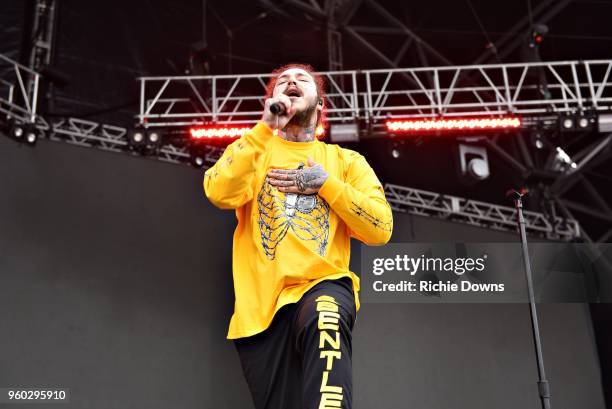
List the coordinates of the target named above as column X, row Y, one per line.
column 285, row 244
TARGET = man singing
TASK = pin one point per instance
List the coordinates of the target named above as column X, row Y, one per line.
column 298, row 202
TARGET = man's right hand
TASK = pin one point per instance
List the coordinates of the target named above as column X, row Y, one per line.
column 278, row 121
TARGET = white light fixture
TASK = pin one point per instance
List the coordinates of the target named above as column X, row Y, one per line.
column 604, row 123
column 474, row 162
column 153, row 137
column 344, row 132
column 31, row 137
column 562, row 161
column 138, row 136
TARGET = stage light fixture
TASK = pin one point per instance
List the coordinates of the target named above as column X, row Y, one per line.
column 396, row 149
column 562, row 161
column 153, row 137
column 144, row 141
column 26, row 133
column 604, row 123
column 31, row 136
column 537, row 140
column 136, row 138
column 228, row 133
column 198, row 161
column 473, row 162
column 344, row 132
column 18, row 131
column 420, row 126
column 197, row 156
column 217, row 132
column 578, row 122
column 153, row 140
column 538, row 32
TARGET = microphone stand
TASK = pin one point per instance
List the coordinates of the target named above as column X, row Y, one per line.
column 543, row 385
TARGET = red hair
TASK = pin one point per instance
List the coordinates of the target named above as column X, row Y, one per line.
column 319, row 83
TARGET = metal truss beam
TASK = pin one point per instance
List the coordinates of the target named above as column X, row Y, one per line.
column 113, row 138
column 375, row 95
column 498, row 89
column 402, row 199
column 334, row 37
column 42, row 34
column 476, row 213
column 18, row 91
column 230, row 99
column 311, row 7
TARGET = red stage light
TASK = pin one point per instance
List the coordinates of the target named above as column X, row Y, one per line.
column 220, row 132
column 217, row 132
column 457, row 124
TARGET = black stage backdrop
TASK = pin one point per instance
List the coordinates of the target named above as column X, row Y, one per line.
column 115, row 282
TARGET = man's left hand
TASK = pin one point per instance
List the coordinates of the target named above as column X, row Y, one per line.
column 306, row 181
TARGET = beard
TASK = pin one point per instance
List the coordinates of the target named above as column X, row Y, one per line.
column 303, row 118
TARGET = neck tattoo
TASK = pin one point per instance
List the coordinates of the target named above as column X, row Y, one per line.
column 298, row 134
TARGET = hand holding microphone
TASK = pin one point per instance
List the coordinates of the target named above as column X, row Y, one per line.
column 278, row 111
column 277, row 108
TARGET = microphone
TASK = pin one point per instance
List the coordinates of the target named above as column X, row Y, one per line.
column 277, row 109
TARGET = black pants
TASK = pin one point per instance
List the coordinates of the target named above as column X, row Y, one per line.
column 303, row 360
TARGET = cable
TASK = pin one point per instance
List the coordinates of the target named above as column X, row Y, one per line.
column 530, row 13
column 484, row 31
column 231, row 31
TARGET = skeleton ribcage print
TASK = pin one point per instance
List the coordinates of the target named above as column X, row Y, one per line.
column 307, row 216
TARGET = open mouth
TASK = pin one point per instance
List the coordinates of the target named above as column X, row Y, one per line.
column 293, row 92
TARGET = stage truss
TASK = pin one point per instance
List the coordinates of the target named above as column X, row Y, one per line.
column 579, row 86
column 402, row 199
column 18, row 91
column 113, row 138
column 477, row 213
column 537, row 90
